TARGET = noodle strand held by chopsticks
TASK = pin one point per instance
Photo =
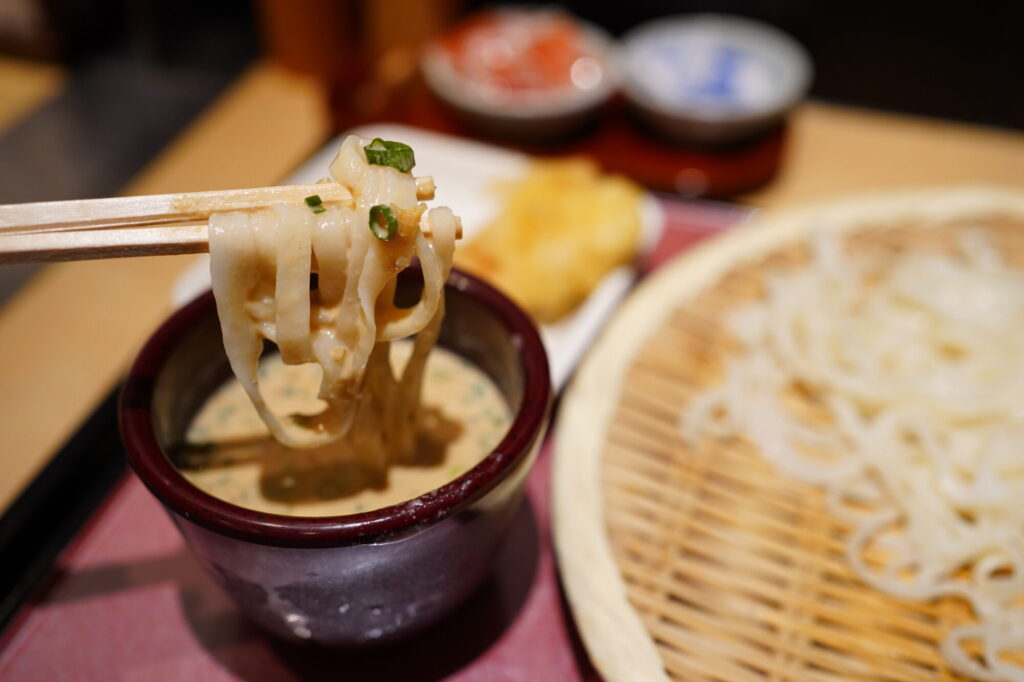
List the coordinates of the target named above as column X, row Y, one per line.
column 913, row 367
column 260, row 265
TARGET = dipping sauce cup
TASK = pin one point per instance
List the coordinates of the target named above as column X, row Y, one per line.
column 367, row 577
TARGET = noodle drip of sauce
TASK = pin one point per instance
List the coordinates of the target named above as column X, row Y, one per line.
column 897, row 385
column 260, row 265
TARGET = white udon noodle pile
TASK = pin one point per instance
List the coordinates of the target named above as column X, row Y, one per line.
column 914, row 366
column 260, row 265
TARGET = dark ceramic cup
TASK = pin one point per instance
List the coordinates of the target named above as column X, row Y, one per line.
column 344, row 580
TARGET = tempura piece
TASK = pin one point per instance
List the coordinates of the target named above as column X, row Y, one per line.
column 562, row 228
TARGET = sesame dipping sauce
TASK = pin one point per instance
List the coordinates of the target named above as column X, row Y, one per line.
column 229, row 453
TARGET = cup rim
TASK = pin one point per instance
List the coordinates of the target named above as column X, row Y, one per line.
column 157, row 472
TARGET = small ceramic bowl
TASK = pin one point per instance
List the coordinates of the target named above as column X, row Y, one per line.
column 483, row 69
column 344, row 580
column 712, row 79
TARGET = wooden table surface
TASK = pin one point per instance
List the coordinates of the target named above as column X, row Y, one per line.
column 26, row 85
column 68, row 336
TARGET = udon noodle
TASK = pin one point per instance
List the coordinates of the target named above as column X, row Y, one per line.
column 260, row 263
column 895, row 384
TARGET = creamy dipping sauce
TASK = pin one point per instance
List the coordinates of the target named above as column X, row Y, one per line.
column 230, row 454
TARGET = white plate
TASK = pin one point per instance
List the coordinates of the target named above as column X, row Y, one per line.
column 464, row 172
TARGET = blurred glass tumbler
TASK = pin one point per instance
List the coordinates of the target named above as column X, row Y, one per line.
column 345, row 41
column 311, row 36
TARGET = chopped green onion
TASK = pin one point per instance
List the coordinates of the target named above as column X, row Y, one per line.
column 386, row 153
column 315, row 203
column 383, row 223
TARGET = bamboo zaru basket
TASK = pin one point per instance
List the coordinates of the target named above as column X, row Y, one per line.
column 704, row 563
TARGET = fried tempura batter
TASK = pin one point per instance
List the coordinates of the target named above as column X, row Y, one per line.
column 562, row 228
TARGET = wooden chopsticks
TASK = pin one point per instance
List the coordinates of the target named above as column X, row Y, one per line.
column 154, row 225
column 158, row 224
